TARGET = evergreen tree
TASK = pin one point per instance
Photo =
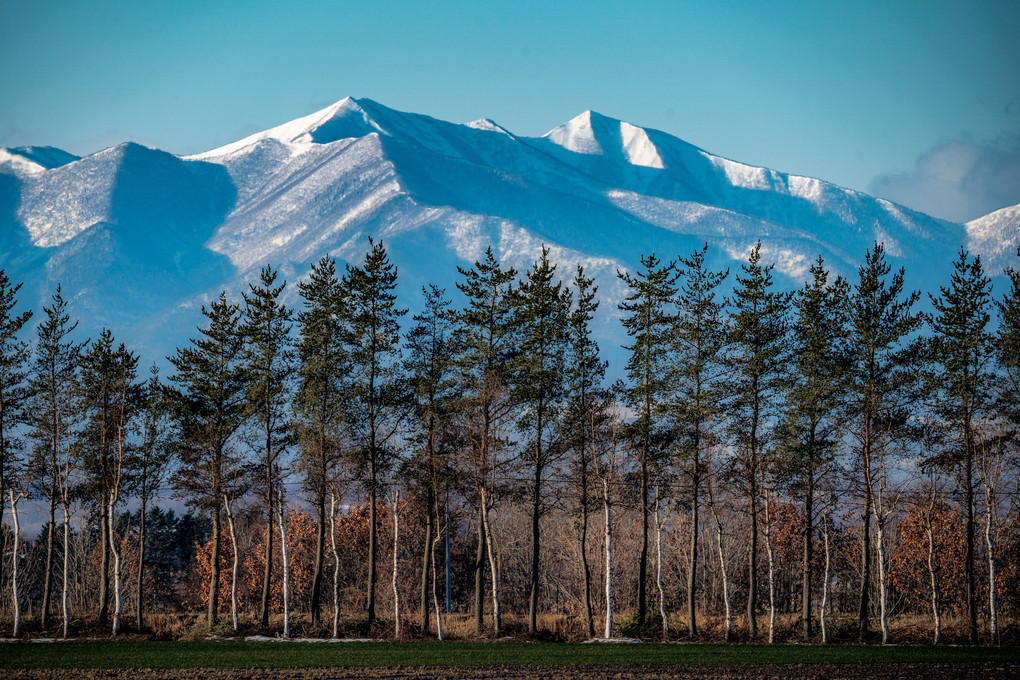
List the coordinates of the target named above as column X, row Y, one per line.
column 543, row 308
column 963, row 350
column 429, row 365
column 756, row 360
column 378, row 385
column 207, row 402
column 880, row 381
column 321, row 395
column 14, row 394
column 269, row 367
column 486, row 347
column 585, row 375
column 699, row 341
column 53, row 384
column 1007, row 342
column 648, row 323
column 809, row 432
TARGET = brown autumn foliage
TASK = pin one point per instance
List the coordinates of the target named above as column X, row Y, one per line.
column 908, row 564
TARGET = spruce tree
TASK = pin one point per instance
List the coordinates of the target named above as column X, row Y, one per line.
column 963, row 350
column 756, row 362
column 543, row 308
column 429, row 352
column 269, row 368
column 14, row 394
column 53, row 384
column 649, row 323
column 809, row 432
column 696, row 372
column 880, row 382
column 320, row 399
column 378, row 385
column 1007, row 343
column 485, row 338
column 207, row 402
column 585, row 377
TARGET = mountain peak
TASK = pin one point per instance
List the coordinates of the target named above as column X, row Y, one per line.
column 594, row 134
column 34, row 159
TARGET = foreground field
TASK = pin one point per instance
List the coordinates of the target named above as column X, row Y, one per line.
column 230, row 660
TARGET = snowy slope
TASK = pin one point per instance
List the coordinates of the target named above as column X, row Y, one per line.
column 996, row 236
column 141, row 238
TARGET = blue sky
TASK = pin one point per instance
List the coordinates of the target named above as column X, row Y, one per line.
column 918, row 101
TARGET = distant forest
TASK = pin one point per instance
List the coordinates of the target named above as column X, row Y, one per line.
column 821, row 463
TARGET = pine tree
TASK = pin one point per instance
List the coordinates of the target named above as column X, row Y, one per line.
column 378, row 386
column 880, row 325
column 543, row 308
column 809, row 432
column 964, row 350
column 1007, row 342
column 269, row 367
column 649, row 323
column 321, row 396
column 53, row 384
column 756, row 360
column 429, row 365
column 585, row 375
column 14, row 394
column 700, row 339
column 485, row 337
column 207, row 402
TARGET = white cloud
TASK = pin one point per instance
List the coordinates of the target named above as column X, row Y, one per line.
column 957, row 181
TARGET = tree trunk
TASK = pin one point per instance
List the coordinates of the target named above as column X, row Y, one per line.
column 808, row 549
column 692, row 565
column 104, row 565
column 825, row 580
column 267, row 568
column 497, row 611
column 336, row 566
column 643, row 555
column 398, row 622
column 234, row 565
column 435, row 590
column 118, row 605
column 140, row 585
column 608, row 632
column 883, row 587
column 480, row 571
column 658, row 568
column 213, row 612
column 752, row 569
column 315, row 605
column 969, row 556
column 286, row 567
column 589, row 621
column 64, row 604
column 426, row 563
column 770, row 552
column 48, row 577
column 14, row 567
column 933, row 573
column 536, row 501
column 863, row 610
column 372, row 548
column 722, row 569
column 993, row 608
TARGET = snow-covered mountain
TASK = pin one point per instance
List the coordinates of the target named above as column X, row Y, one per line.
column 140, row 238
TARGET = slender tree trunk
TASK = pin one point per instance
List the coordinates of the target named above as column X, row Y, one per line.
column 658, row 568
column 118, row 608
column 234, row 564
column 213, row 612
column 752, row 567
column 692, row 565
column 435, row 590
column 104, row 564
column 933, row 572
column 315, row 605
column 336, row 566
column 140, row 580
column 398, row 621
column 372, row 536
column 480, row 571
column 64, row 603
column 589, row 621
column 48, row 578
column 267, row 567
column 809, row 518
column 722, row 566
column 770, row 552
column 883, row 586
column 14, row 567
column 825, row 580
column 426, row 561
column 497, row 610
column 607, row 508
column 969, row 555
column 643, row 554
column 863, row 610
column 993, row 608
column 286, row 566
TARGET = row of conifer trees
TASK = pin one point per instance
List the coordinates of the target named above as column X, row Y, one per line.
column 838, row 388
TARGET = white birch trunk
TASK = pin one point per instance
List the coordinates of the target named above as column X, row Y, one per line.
column 118, row 603
column 772, row 568
column 935, row 610
column 286, row 567
column 825, row 578
column 234, row 565
column 64, row 603
column 606, row 506
column 398, row 623
column 883, row 586
column 14, row 569
column 336, row 566
column 993, row 608
column 658, row 568
column 435, row 587
column 725, row 578
column 497, row 612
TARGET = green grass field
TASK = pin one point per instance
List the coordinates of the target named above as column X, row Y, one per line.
column 357, row 654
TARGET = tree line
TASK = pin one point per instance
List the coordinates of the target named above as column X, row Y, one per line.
column 838, row 417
